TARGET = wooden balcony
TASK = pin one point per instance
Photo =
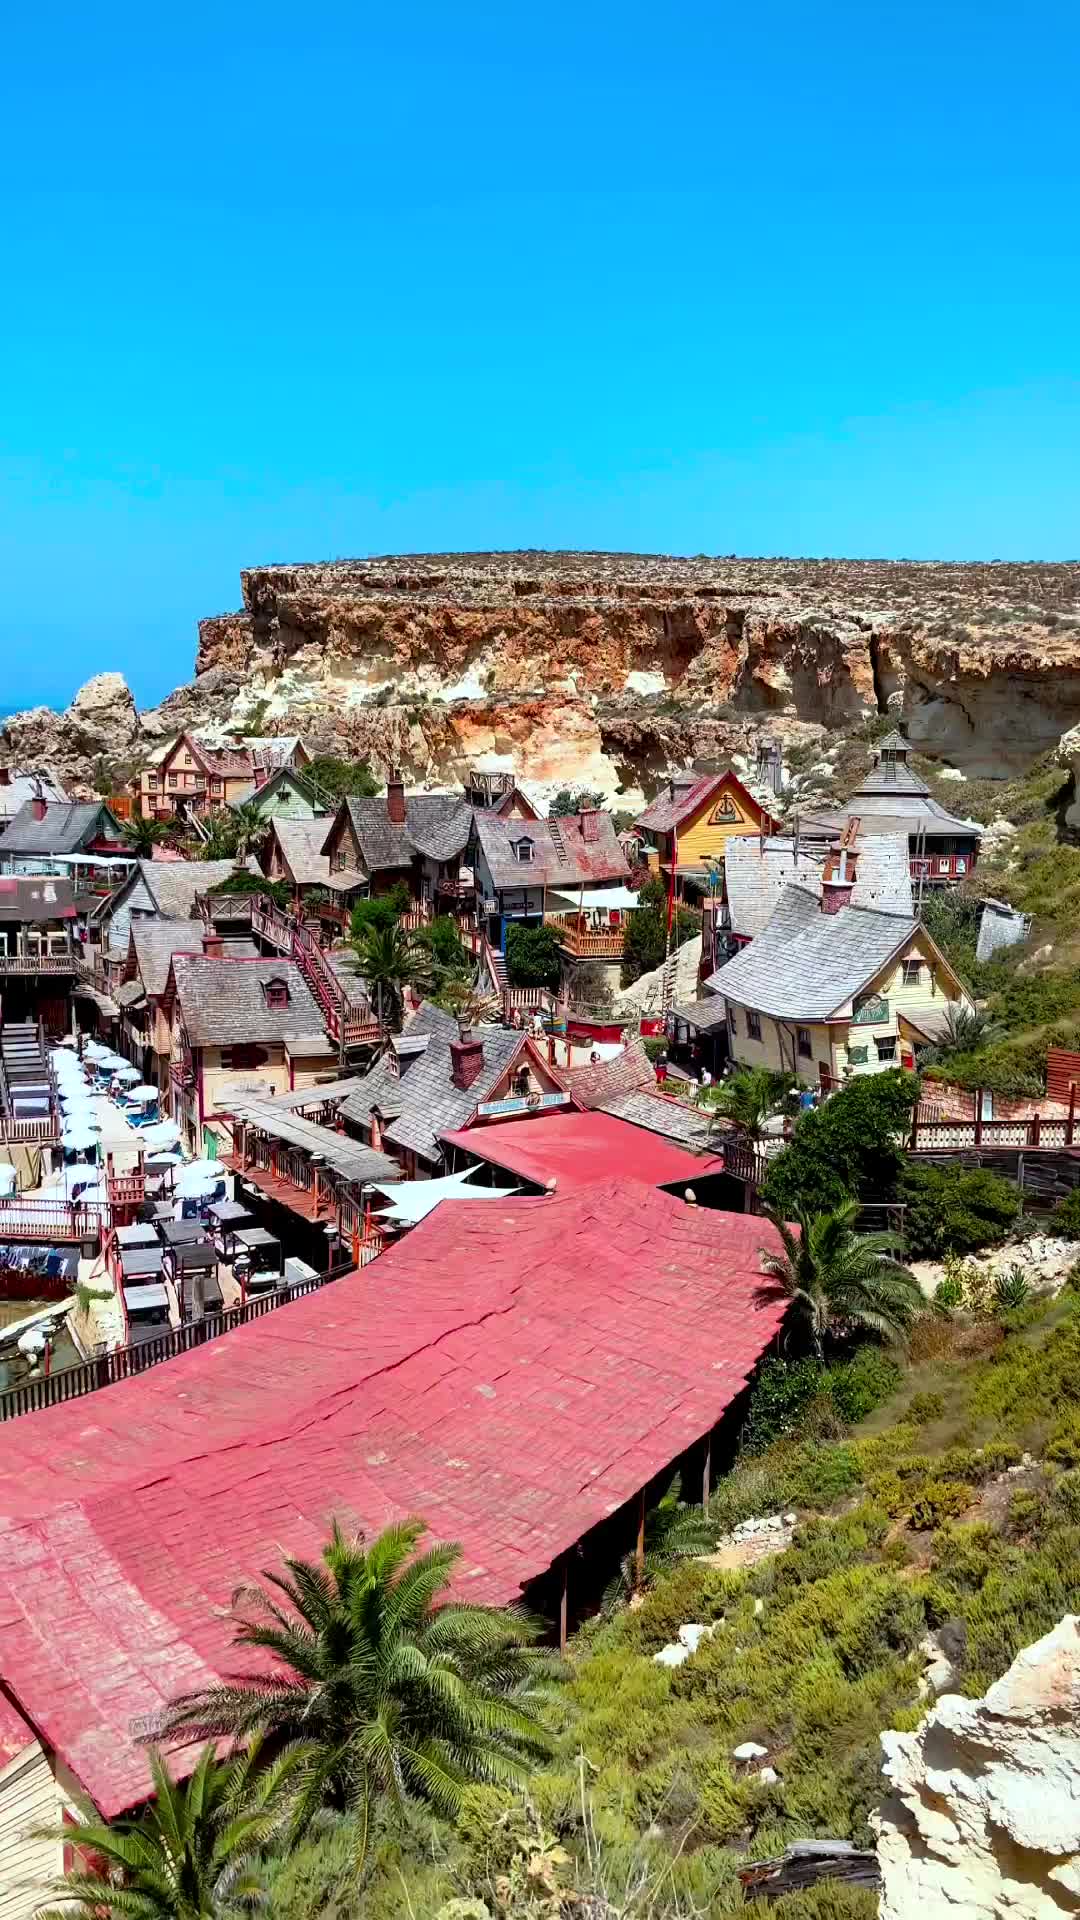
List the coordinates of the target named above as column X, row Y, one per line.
column 941, row 868
column 584, row 942
column 49, row 1220
column 32, row 963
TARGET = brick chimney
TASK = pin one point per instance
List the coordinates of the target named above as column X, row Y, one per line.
column 395, row 797
column 466, row 1060
column 39, row 805
column 837, row 881
column 213, row 945
column 590, row 824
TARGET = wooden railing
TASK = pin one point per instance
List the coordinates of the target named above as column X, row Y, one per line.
column 586, row 942
column 941, row 866
column 346, row 1020
column 39, row 963
column 108, row 1369
column 29, row 1131
column 1036, row 1131
column 44, row 1220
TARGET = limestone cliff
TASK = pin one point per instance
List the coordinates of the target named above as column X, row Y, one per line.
column 612, row 668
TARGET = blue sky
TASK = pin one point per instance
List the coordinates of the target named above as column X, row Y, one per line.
column 284, row 284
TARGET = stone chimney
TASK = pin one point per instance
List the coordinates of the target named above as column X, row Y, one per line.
column 39, row 804
column 466, row 1060
column 837, row 881
column 395, row 797
column 213, row 945
column 590, row 825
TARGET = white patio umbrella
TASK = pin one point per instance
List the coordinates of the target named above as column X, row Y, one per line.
column 73, row 1096
column 95, row 1051
column 127, row 1073
column 77, row 1139
column 197, row 1177
column 7, row 1180
column 142, row 1096
column 163, row 1133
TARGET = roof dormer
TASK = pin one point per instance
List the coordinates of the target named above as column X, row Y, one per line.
column 523, row 849
column 276, row 992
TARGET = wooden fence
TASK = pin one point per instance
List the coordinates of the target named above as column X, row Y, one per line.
column 108, row 1369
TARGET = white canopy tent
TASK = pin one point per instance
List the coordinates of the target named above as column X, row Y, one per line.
column 412, row 1200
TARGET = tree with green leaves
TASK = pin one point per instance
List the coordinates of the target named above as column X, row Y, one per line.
column 533, row 957
column 142, row 835
column 218, row 839
column 389, row 963
column 340, row 778
column 396, row 1692
column 852, row 1146
column 749, row 1099
column 380, row 909
column 573, row 800
column 194, row 1851
column 838, row 1280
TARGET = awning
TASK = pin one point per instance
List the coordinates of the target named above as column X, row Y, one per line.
column 131, row 994
column 345, row 880
column 413, row 1200
column 605, row 898
column 105, row 1006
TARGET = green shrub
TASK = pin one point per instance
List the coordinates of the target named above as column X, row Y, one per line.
column 1011, row 1289
column 1027, row 1511
column 782, row 1391
column 1067, row 1216
column 925, row 1407
column 862, row 1383
column 383, row 910
column 938, row 1500
column 1063, row 1444
column 956, row 1210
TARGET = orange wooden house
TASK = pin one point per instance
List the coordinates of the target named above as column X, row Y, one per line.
column 692, row 819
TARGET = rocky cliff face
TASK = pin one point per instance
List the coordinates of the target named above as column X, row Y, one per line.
column 612, row 668
column 983, row 1817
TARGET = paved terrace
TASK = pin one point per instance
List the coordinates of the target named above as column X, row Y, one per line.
column 515, row 1373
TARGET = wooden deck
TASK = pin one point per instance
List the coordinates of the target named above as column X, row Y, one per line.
column 299, row 1200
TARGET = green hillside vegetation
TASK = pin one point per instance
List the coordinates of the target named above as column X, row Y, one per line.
column 908, row 1523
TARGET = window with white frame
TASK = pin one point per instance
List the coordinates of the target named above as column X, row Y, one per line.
column 886, row 1047
column 912, row 971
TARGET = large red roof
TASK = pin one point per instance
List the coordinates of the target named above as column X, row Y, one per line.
column 513, row 1373
column 577, row 1149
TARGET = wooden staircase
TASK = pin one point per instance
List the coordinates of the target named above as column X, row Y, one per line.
column 347, row 1023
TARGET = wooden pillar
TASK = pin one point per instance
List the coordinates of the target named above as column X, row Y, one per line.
column 563, row 1603
column 1071, row 1126
column 1036, row 1128
column 706, row 1472
column 978, row 1116
column 639, row 1546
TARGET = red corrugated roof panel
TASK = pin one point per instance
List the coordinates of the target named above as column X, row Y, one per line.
column 511, row 1372
column 577, row 1149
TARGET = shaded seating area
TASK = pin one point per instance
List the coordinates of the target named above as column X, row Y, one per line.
column 317, row 1173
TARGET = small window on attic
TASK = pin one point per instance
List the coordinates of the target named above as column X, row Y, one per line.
column 276, row 992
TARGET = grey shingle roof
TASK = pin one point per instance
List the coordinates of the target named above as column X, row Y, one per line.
column 435, row 823
column 345, row 1157
column 21, row 787
column 223, row 1003
column 301, row 843
column 894, row 742
column 173, row 884
column 755, row 877
column 660, row 1115
column 806, row 965
column 626, row 1073
column 424, row 1100
column 560, row 854
column 154, row 941
column 66, row 828
column 892, row 776
column 892, row 810
column 703, row 1015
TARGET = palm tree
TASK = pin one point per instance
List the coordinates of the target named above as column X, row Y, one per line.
column 965, row 1029
column 193, row 1853
column 219, row 837
column 143, row 834
column 673, row 1532
column 835, row 1277
column 751, row 1097
column 389, row 962
column 251, row 829
column 394, row 1696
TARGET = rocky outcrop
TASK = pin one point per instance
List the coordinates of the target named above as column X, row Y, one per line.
column 611, row 669
column 983, row 1821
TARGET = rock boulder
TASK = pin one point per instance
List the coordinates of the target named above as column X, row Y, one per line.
column 983, row 1820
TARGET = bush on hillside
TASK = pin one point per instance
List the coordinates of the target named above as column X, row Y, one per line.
column 343, row 777
column 955, row 1210
column 382, row 911
column 791, row 1396
column 1067, row 1216
column 851, row 1147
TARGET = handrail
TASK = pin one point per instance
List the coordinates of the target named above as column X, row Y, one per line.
column 123, row 1363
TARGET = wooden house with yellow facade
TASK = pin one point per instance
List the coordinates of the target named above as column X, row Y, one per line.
column 691, row 821
column 829, row 989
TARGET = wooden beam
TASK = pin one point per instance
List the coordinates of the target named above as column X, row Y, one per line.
column 639, row 1548
column 563, row 1603
column 706, row 1472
